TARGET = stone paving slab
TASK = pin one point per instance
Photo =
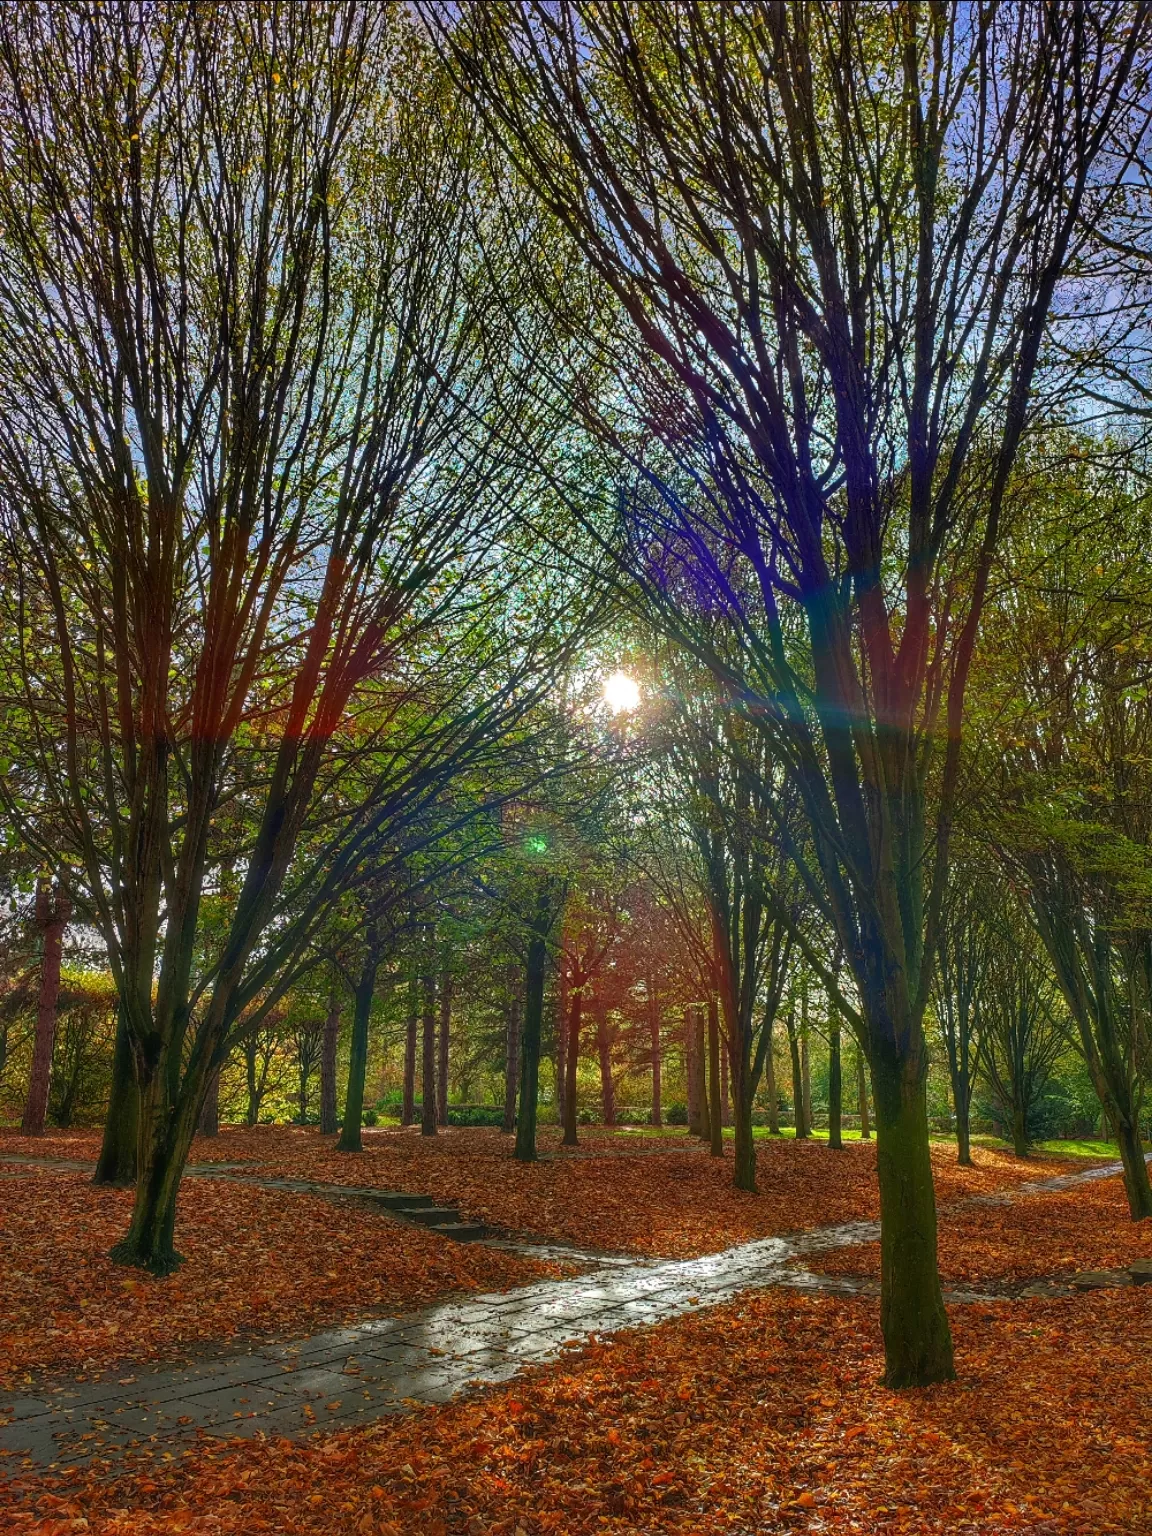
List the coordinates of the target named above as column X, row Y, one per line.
column 364, row 1371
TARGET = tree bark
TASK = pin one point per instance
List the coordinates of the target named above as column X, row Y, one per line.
column 744, row 1171
column 715, row 1110
column 530, row 1044
column 209, row 1122
column 328, row 1111
column 166, row 1133
column 725, row 1090
column 604, row 1051
column 692, row 1071
column 770, row 1092
column 428, row 1056
column 511, row 1052
column 116, row 1164
column 571, row 1062
column 802, row 1127
column 835, row 1088
column 445, row 1034
column 654, row 1041
column 917, row 1343
column 702, row 1073
column 411, row 1030
column 862, row 1095
column 1019, row 1130
column 52, row 913
column 1136, row 1182
column 805, row 1065
column 350, row 1135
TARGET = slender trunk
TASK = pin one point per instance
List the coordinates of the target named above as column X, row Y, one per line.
column 428, row 1057
column 530, row 1044
column 806, row 1079
column 962, row 1099
column 1136, row 1183
column 350, row 1135
column 654, row 1039
column 209, row 1122
column 607, row 1086
column 702, row 1075
column 52, row 913
column 917, row 1342
column 725, row 1091
column 862, row 1095
column 802, row 1127
column 571, row 1060
column 117, row 1161
column 770, row 1092
column 412, row 1025
column 715, row 1112
column 302, row 1094
column 835, row 1088
column 692, row 1071
column 512, row 1052
column 445, row 1032
column 254, row 1094
column 744, row 1172
column 328, row 1067
column 1019, row 1131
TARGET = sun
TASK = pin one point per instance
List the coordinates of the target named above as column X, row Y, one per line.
column 621, row 693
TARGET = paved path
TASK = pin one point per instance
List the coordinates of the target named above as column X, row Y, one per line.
column 370, row 1369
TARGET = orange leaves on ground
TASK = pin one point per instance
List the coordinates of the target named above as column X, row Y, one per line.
column 785, row 1428
column 660, row 1197
column 257, row 1261
column 1043, row 1235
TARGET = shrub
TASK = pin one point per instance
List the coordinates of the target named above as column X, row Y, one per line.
column 369, row 1117
column 676, row 1114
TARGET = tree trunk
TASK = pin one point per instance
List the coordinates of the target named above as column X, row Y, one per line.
column 116, row 1164
column 725, row 1090
column 835, row 1088
column 770, row 1092
column 209, row 1122
column 530, row 1043
column 806, row 1074
column 445, row 1034
column 411, row 1029
column 702, row 1074
column 255, row 1093
column 802, row 1127
column 962, row 1101
column 1136, row 1183
column 428, row 1057
column 328, row 1067
column 607, row 1086
column 862, row 1094
column 654, row 1039
column 512, row 1052
column 350, row 1134
column 917, row 1342
column 52, row 912
column 571, row 1061
column 715, row 1110
column 692, row 1071
column 744, row 1172
column 1019, row 1131
column 166, row 1134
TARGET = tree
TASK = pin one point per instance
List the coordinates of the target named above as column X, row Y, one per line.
column 258, row 474
column 832, row 237
column 1062, row 757
column 52, row 911
column 961, row 982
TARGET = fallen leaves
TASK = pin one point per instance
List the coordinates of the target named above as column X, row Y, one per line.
column 785, row 1428
column 1044, row 1235
column 257, row 1262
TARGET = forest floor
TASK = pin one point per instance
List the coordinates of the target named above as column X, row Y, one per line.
column 758, row 1415
column 663, row 1198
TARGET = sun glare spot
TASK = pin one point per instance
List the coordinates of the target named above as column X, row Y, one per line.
column 621, row 693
